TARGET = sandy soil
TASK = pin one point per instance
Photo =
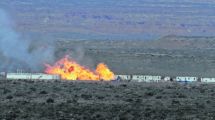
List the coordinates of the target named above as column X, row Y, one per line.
column 66, row 100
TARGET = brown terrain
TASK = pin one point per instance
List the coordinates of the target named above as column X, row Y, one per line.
column 75, row 100
column 167, row 56
column 125, row 36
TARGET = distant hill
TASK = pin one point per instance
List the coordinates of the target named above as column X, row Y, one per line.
column 170, row 55
column 184, row 42
column 108, row 20
column 167, row 42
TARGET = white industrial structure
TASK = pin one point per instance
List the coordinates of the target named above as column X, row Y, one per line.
column 132, row 78
column 123, row 77
column 151, row 78
column 146, row 78
column 167, row 78
column 186, row 79
column 209, row 80
column 31, row 76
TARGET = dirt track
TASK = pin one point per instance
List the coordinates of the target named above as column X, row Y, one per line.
column 63, row 100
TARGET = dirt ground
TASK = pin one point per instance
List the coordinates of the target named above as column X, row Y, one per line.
column 69, row 100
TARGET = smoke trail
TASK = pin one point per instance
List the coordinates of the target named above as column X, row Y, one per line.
column 17, row 53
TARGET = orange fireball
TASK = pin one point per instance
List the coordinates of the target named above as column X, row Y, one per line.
column 103, row 72
column 68, row 69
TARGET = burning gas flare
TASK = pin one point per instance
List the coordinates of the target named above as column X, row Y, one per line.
column 68, row 69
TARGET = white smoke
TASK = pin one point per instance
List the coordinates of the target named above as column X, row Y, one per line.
column 17, row 53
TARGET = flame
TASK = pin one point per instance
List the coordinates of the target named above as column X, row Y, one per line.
column 103, row 72
column 68, row 69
